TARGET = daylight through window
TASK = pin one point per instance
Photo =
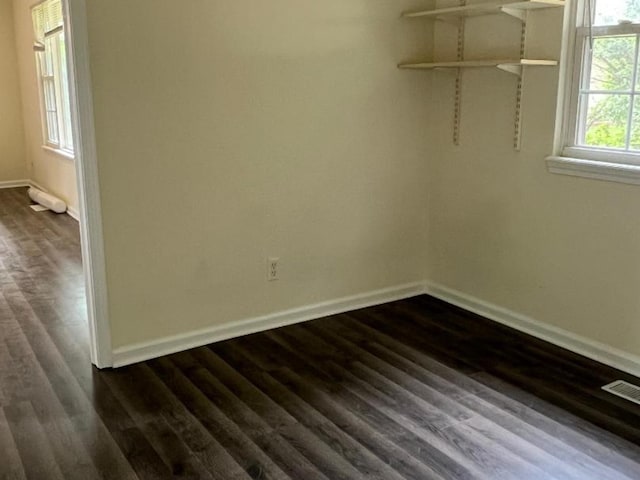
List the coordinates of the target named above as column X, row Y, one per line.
column 54, row 86
column 607, row 103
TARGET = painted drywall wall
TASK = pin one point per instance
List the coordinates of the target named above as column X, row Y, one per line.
column 559, row 249
column 12, row 154
column 229, row 132
column 53, row 172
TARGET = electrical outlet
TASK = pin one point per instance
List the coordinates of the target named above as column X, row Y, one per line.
column 272, row 268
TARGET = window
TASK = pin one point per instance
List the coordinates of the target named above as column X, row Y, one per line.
column 52, row 74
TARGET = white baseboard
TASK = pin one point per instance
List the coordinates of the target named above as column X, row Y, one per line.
column 73, row 213
column 14, row 184
column 592, row 349
column 164, row 346
column 34, row 184
column 597, row 351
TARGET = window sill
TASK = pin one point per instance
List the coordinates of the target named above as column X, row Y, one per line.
column 597, row 170
column 62, row 153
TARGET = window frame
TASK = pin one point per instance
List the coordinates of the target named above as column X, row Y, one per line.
column 579, row 78
column 63, row 120
column 569, row 158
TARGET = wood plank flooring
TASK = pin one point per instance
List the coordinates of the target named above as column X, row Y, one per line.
column 414, row 390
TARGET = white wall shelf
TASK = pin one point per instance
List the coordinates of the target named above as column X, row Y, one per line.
column 511, row 66
column 515, row 9
column 457, row 16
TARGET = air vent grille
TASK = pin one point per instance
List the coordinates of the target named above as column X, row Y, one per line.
column 625, row 390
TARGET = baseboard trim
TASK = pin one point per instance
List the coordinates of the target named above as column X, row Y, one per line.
column 34, row 184
column 14, row 184
column 164, row 346
column 592, row 349
column 73, row 213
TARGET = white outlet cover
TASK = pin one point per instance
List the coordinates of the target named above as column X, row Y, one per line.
column 272, row 268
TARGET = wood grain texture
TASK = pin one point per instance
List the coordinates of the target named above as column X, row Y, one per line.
column 411, row 390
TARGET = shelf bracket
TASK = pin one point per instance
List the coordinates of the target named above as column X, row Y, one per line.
column 515, row 13
column 517, row 136
column 457, row 109
column 513, row 69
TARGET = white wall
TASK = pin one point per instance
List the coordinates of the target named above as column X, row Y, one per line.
column 52, row 171
column 12, row 155
column 232, row 131
column 228, row 132
column 561, row 250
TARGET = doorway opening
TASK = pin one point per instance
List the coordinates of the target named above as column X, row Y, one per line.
column 50, row 263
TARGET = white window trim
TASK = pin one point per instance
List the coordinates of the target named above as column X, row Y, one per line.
column 598, row 164
column 47, row 145
column 58, row 151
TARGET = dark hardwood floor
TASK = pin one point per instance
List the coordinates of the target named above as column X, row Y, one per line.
column 415, row 389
